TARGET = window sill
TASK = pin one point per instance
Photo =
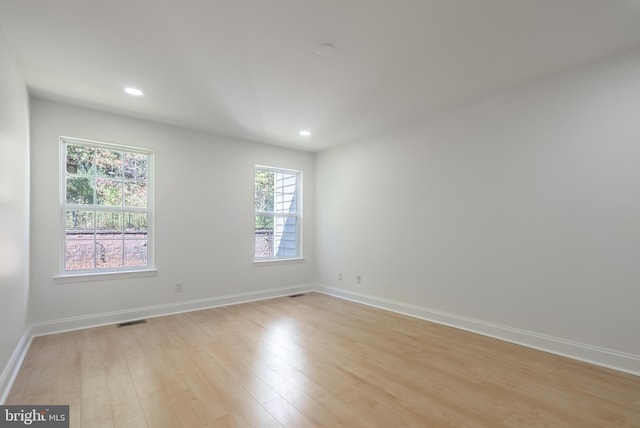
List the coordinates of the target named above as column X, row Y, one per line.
column 104, row 276
column 272, row 261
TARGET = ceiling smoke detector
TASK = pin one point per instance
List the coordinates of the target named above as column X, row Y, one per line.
column 326, row 49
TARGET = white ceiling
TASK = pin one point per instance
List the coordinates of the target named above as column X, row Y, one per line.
column 249, row 68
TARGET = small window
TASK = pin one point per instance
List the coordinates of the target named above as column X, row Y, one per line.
column 106, row 207
column 278, row 214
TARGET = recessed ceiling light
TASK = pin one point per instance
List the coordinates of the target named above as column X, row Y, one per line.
column 304, row 133
column 326, row 49
column 134, row 91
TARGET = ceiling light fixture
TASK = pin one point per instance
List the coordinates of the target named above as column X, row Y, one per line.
column 134, row 91
column 304, row 133
column 326, row 49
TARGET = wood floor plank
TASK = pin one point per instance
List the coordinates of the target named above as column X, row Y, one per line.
column 314, row 361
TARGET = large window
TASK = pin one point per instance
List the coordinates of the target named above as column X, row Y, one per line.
column 106, row 207
column 278, row 214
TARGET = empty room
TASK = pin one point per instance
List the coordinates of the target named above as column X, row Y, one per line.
column 294, row 213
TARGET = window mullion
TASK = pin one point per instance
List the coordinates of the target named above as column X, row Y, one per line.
column 276, row 214
column 105, row 208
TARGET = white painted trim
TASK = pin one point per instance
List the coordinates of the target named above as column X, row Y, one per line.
column 13, row 366
column 609, row 358
column 99, row 276
column 107, row 318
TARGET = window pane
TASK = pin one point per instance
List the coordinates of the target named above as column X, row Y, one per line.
column 78, row 254
column 135, row 166
column 108, row 224
column 284, row 193
column 264, row 237
column 79, row 224
column 135, row 252
column 108, row 253
column 135, row 194
column 285, row 236
column 79, row 159
column 79, row 190
column 264, row 190
column 135, row 222
column 108, row 163
column 135, row 245
column 264, row 223
column 108, row 192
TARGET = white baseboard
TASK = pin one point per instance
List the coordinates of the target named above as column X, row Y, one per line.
column 75, row 323
column 609, row 358
column 13, row 366
column 107, row 318
column 592, row 354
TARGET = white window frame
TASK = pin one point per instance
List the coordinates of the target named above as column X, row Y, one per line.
column 149, row 210
column 297, row 215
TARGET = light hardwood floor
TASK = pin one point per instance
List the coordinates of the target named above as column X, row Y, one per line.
column 314, row 360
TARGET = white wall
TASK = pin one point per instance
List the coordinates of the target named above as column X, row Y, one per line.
column 522, row 209
column 14, row 208
column 204, row 216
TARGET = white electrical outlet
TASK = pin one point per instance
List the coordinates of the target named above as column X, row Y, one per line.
column 339, row 276
column 179, row 287
column 358, row 279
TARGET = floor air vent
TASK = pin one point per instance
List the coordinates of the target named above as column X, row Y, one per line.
column 124, row 324
column 297, row 295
